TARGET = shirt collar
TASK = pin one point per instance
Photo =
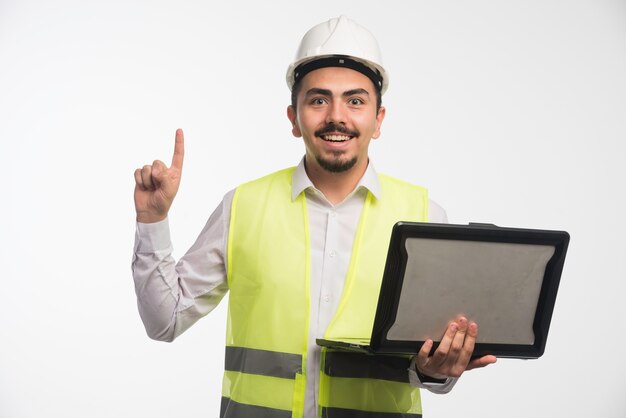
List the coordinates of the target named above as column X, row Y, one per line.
column 300, row 181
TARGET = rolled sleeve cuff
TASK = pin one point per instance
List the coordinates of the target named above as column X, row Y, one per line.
column 153, row 237
column 434, row 387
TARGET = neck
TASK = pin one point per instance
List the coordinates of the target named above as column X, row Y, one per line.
column 335, row 186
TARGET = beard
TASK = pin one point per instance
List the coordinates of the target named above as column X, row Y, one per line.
column 336, row 165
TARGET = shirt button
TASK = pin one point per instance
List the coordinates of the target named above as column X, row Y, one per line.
column 332, row 253
column 326, row 298
column 333, row 214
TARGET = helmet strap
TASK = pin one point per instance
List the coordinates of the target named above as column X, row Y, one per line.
column 338, row 61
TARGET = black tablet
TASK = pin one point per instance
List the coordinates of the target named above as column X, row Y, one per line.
column 505, row 279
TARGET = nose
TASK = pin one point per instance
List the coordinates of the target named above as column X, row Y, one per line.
column 336, row 112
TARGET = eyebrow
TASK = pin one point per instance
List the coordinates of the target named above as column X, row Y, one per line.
column 326, row 92
column 316, row 90
column 355, row 91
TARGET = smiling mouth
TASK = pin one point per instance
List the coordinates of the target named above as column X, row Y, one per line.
column 336, row 137
column 336, row 133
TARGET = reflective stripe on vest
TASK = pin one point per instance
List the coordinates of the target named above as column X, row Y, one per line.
column 352, row 413
column 267, row 363
column 361, row 365
column 231, row 408
column 268, row 275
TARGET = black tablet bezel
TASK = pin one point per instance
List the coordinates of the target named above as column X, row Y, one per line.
column 396, row 265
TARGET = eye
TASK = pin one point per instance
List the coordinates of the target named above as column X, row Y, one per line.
column 318, row 101
column 355, row 101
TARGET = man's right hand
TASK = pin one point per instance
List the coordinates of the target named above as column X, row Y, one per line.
column 156, row 185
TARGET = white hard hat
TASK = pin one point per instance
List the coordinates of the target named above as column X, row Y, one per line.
column 340, row 42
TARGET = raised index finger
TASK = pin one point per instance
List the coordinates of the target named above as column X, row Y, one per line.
column 179, row 150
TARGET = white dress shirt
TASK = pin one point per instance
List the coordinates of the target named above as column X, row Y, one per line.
column 173, row 296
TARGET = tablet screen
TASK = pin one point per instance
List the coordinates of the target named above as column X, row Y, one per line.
column 493, row 283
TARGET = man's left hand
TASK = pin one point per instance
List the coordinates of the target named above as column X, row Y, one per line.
column 454, row 354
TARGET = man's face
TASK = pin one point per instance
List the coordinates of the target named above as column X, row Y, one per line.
column 336, row 116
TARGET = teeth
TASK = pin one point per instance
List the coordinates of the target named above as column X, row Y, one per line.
column 336, row 138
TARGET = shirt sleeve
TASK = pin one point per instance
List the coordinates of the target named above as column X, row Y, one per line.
column 172, row 296
column 436, row 214
column 438, row 388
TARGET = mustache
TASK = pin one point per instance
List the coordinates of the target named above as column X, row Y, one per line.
column 335, row 128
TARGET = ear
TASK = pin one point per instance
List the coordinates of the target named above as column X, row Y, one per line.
column 293, row 118
column 379, row 121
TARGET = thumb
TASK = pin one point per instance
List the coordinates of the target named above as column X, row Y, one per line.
column 481, row 362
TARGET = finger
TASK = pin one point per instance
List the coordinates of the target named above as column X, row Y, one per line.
column 467, row 349
column 158, row 170
column 138, row 180
column 146, row 177
column 481, row 362
column 440, row 355
column 179, row 150
column 422, row 355
column 458, row 341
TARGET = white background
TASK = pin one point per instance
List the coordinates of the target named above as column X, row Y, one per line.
column 511, row 112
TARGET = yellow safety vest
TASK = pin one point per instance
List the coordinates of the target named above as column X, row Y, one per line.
column 268, row 311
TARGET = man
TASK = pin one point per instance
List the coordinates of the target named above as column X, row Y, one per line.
column 302, row 252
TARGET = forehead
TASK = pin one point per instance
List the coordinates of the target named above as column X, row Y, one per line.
column 337, row 80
